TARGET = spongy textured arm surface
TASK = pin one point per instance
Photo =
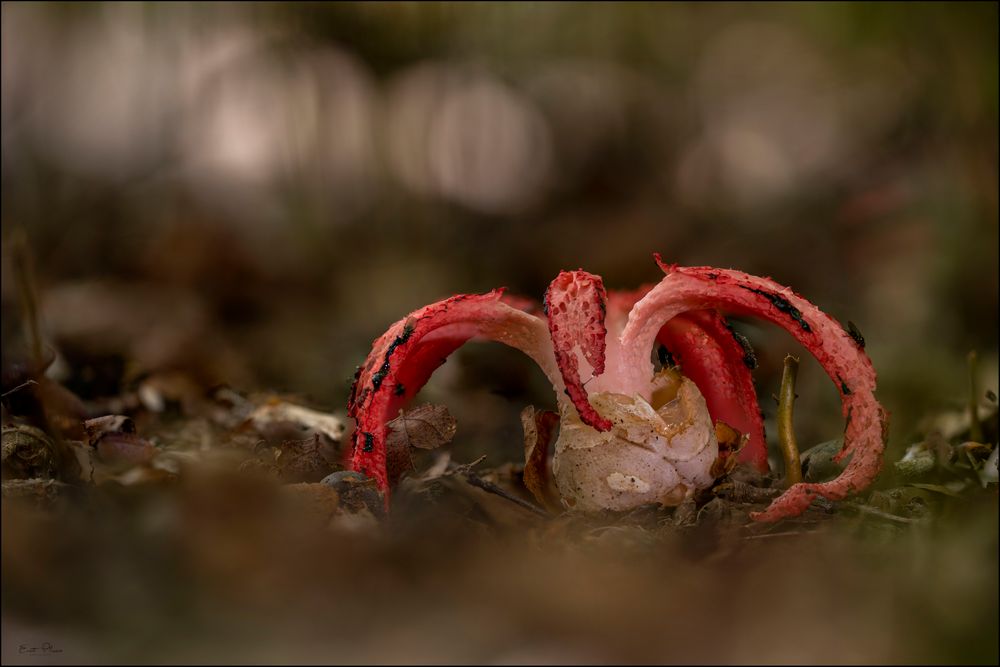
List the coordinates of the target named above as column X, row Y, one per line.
column 576, row 305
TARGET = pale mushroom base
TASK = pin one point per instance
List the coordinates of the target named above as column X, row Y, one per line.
column 661, row 455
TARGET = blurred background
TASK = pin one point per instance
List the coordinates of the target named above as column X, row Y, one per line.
column 280, row 182
column 251, row 193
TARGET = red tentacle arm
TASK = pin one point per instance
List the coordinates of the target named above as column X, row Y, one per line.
column 718, row 360
column 843, row 359
column 576, row 303
column 404, row 357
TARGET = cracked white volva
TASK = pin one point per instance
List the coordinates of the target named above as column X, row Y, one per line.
column 660, row 454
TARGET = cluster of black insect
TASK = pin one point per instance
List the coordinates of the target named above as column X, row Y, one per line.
column 385, row 367
column 377, row 380
column 855, row 333
column 782, row 304
column 749, row 356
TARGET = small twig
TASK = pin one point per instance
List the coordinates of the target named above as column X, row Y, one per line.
column 26, row 383
column 474, row 479
column 786, row 432
column 466, row 468
column 975, row 428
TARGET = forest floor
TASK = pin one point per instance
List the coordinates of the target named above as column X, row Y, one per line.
column 175, row 523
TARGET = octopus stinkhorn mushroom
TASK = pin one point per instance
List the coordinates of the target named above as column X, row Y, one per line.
column 629, row 433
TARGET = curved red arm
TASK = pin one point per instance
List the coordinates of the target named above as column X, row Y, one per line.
column 842, row 357
column 403, row 358
column 576, row 304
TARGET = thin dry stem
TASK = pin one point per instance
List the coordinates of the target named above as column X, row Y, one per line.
column 786, row 431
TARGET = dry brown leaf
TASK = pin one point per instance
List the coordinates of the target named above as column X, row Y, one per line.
column 124, row 448
column 302, row 460
column 98, row 426
column 424, row 427
column 276, row 413
column 539, row 426
column 112, row 440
